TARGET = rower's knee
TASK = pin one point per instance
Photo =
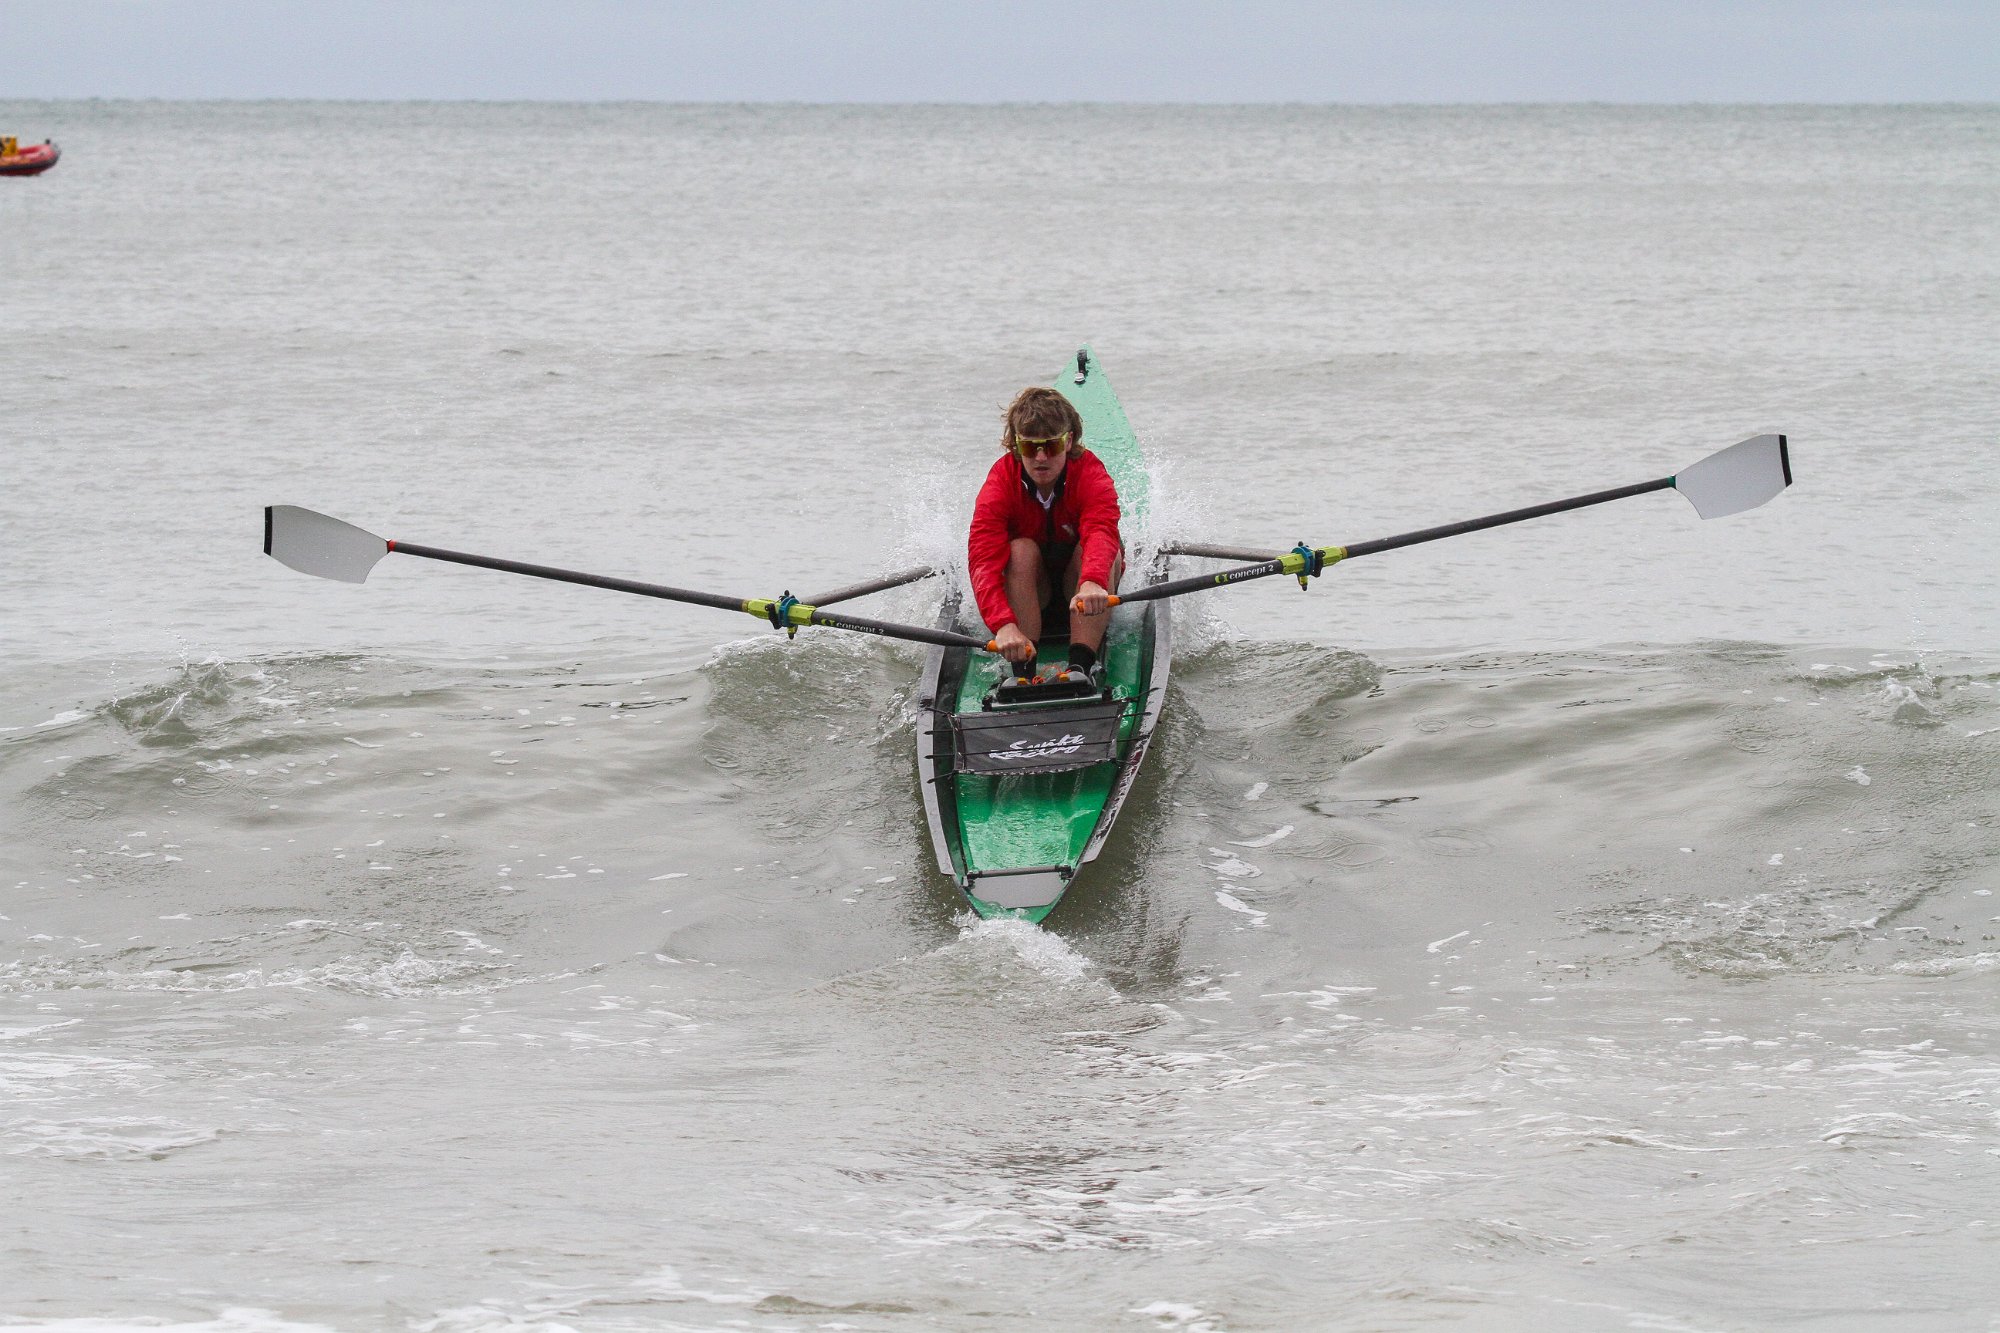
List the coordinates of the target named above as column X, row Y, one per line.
column 1024, row 555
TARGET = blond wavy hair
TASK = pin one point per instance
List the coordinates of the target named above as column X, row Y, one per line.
column 1038, row 413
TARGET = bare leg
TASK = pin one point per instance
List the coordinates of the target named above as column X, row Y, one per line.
column 1027, row 586
column 1083, row 629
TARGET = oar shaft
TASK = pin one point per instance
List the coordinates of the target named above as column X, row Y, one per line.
column 1499, row 520
column 914, row 633
column 796, row 613
column 1294, row 563
column 1210, row 551
column 882, row 584
column 572, row 576
column 1175, row 587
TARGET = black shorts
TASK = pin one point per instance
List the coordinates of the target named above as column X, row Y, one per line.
column 1055, row 611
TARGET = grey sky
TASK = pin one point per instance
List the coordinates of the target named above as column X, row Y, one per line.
column 1031, row 50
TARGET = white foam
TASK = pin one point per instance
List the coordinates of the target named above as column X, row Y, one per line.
column 1266, row 840
column 233, row 1319
column 1235, row 904
column 1326, row 997
column 11, row 1033
column 1945, row 967
column 666, row 1281
column 102, row 1138
column 406, row 974
column 1047, row 954
column 1174, row 1315
column 1873, row 1124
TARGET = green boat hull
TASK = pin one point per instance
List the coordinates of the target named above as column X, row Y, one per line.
column 1014, row 842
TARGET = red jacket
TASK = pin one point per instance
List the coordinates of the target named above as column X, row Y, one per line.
column 1084, row 513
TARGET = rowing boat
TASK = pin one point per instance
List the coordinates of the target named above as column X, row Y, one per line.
column 1023, row 780
column 1021, row 785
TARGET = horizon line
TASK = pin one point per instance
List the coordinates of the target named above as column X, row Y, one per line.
column 996, row 104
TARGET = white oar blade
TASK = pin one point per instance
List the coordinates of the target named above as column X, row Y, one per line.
column 1741, row 477
column 313, row 543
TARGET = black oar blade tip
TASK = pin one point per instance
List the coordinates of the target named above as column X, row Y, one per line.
column 316, row 544
column 1741, row 477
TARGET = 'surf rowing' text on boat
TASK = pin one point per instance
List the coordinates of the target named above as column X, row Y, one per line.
column 1023, row 779
column 32, row 160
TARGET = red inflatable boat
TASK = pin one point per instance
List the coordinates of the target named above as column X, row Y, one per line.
column 32, row 160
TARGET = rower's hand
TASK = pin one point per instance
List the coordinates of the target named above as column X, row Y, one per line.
column 1091, row 600
column 1015, row 646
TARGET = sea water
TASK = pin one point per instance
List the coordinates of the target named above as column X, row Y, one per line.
column 1587, row 924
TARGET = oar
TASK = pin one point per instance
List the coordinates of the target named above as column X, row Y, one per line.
column 1210, row 551
column 882, row 584
column 1740, row 477
column 313, row 543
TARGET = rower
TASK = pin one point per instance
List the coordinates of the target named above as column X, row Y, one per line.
column 1044, row 547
